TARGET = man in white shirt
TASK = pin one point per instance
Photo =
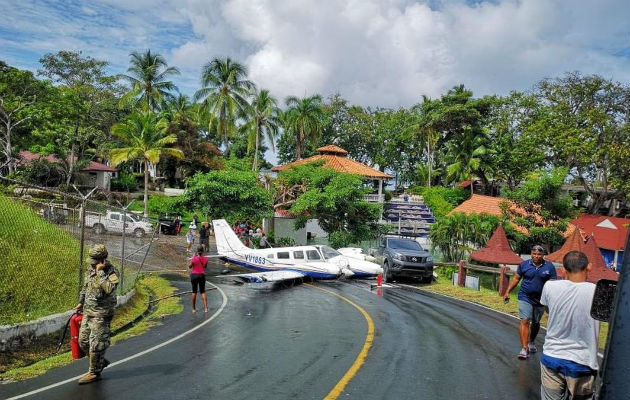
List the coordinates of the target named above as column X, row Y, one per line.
column 569, row 360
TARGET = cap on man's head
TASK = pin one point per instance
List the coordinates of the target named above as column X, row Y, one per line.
column 97, row 253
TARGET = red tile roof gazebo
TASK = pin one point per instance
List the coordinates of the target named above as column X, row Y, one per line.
column 497, row 250
column 590, row 249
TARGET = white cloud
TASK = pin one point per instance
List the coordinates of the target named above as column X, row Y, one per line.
column 373, row 52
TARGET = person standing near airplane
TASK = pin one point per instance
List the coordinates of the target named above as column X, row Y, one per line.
column 197, row 266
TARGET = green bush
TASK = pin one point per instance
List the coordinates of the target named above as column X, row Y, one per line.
column 124, row 182
column 160, row 204
column 286, row 241
column 441, row 200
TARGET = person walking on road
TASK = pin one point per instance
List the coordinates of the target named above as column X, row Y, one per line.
column 190, row 236
column 204, row 237
column 535, row 273
column 569, row 360
column 97, row 302
column 197, row 266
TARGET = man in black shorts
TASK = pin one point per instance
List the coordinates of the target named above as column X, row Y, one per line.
column 204, row 236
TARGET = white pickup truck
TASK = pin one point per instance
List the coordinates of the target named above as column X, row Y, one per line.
column 112, row 221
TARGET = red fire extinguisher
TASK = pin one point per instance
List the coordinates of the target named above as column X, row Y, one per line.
column 75, row 326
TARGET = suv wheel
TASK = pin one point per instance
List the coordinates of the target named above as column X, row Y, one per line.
column 386, row 275
column 138, row 232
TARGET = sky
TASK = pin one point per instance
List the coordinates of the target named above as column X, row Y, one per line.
column 378, row 53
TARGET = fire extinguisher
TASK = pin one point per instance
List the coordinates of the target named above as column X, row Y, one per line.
column 75, row 326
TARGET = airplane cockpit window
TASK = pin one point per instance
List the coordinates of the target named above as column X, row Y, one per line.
column 298, row 255
column 329, row 252
column 283, row 254
column 313, row 255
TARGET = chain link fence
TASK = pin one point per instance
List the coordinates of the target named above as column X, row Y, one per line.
column 44, row 238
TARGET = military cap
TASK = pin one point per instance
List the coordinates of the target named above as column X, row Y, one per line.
column 96, row 253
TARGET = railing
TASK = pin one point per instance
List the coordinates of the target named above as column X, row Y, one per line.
column 375, row 198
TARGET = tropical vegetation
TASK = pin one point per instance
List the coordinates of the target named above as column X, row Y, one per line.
column 574, row 128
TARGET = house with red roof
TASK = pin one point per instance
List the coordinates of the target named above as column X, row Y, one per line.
column 94, row 174
column 336, row 158
column 609, row 232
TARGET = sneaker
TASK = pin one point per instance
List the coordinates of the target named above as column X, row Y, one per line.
column 531, row 347
column 523, row 354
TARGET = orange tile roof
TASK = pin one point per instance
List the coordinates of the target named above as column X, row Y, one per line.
column 337, row 163
column 480, row 204
column 331, row 148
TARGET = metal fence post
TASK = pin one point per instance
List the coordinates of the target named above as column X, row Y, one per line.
column 82, row 242
column 124, row 239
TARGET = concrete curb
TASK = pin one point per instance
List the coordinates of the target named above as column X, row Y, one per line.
column 12, row 336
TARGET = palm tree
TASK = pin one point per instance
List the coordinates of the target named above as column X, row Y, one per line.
column 305, row 118
column 145, row 135
column 263, row 118
column 466, row 153
column 224, row 94
column 148, row 75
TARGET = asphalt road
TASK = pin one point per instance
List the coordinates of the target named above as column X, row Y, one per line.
column 298, row 343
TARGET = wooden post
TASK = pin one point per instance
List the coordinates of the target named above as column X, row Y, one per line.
column 461, row 277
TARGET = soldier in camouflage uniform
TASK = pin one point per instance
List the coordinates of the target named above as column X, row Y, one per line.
column 97, row 300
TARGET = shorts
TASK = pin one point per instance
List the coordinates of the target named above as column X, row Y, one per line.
column 530, row 312
column 198, row 283
column 555, row 385
column 205, row 241
column 190, row 241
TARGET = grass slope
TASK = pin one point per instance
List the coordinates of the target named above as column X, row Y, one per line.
column 129, row 312
column 38, row 265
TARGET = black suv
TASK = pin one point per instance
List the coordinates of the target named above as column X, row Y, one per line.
column 401, row 257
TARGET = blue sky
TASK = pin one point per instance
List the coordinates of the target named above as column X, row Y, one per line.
column 384, row 53
column 374, row 52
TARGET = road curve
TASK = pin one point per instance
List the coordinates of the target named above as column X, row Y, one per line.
column 298, row 343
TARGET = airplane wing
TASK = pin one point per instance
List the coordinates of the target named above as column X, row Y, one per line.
column 268, row 276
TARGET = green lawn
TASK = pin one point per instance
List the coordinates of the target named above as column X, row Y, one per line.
column 490, row 298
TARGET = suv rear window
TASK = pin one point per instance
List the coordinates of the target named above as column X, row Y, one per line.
column 404, row 244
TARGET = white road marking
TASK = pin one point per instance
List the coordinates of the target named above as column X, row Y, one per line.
column 149, row 350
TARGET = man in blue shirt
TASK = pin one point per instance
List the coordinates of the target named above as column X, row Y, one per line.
column 534, row 272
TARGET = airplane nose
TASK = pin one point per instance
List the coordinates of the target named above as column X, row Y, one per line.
column 346, row 272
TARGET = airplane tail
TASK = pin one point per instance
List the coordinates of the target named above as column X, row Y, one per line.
column 227, row 241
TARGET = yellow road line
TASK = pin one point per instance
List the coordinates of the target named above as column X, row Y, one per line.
column 358, row 362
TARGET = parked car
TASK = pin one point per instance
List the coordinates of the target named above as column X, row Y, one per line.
column 403, row 257
column 169, row 226
column 113, row 221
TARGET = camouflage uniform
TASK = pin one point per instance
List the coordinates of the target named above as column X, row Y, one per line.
column 98, row 298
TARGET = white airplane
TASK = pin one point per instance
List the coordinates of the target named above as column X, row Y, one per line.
column 316, row 262
column 274, row 268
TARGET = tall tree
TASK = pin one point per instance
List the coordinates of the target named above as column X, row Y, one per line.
column 19, row 91
column 304, row 118
column 224, row 92
column 145, row 136
column 148, row 75
column 263, row 118
column 584, row 121
column 509, row 119
column 89, row 94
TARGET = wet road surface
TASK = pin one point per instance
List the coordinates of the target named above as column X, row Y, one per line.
column 297, row 343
